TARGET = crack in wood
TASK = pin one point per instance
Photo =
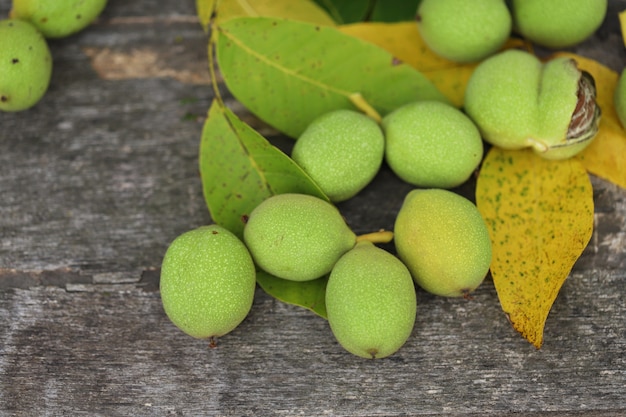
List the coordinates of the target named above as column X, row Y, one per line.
column 79, row 281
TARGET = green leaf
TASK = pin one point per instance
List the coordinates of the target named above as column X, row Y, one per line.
column 240, row 168
column 346, row 11
column 305, row 10
column 353, row 11
column 288, row 73
column 308, row 294
column 394, row 10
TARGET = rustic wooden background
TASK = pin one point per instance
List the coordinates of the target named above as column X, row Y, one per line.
column 101, row 175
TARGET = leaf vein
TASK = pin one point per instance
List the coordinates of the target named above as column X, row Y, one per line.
column 288, row 71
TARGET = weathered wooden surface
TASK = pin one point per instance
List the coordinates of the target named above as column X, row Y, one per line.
column 99, row 177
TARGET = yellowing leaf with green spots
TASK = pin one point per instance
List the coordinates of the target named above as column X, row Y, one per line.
column 304, row 10
column 404, row 42
column 606, row 155
column 540, row 218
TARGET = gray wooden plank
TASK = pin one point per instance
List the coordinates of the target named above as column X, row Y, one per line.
column 103, row 172
column 113, row 352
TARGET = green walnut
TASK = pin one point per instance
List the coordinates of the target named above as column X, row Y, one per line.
column 519, row 102
column 370, row 301
column 431, row 144
column 464, row 31
column 25, row 65
column 557, row 23
column 619, row 98
column 444, row 242
column 57, row 18
column 341, row 151
column 207, row 282
column 297, row 236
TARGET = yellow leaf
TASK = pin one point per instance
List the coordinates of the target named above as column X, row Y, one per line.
column 540, row 218
column 303, row 10
column 622, row 22
column 606, row 155
column 204, row 10
column 404, row 42
column 452, row 82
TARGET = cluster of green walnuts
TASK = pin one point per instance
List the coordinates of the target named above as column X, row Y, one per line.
column 474, row 31
column 469, row 31
column 513, row 100
column 208, row 274
column 441, row 240
column 25, row 58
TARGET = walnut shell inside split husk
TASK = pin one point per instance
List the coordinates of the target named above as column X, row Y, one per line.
column 584, row 124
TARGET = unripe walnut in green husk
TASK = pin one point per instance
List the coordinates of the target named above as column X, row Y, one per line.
column 431, row 144
column 444, row 242
column 370, row 301
column 207, row 282
column 619, row 98
column 517, row 102
column 462, row 30
column 557, row 23
column 58, row 18
column 25, row 65
column 297, row 236
column 341, row 151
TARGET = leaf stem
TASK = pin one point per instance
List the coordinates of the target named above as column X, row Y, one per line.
column 381, row 236
column 212, row 62
column 362, row 104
